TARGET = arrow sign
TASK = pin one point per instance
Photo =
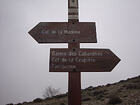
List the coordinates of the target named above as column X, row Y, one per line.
column 82, row 60
column 64, row 32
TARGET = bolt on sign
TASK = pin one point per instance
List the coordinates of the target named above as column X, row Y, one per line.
column 73, row 59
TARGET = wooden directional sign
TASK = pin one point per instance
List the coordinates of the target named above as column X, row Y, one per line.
column 64, row 32
column 73, row 59
column 82, row 60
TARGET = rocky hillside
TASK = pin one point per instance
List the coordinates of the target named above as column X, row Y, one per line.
column 125, row 92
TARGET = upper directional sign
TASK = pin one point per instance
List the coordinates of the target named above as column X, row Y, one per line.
column 82, row 60
column 64, row 32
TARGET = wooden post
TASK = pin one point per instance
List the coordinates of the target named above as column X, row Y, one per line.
column 74, row 89
column 73, row 11
column 74, row 81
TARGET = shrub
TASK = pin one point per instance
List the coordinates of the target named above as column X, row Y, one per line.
column 136, row 81
column 86, row 99
column 99, row 97
column 114, row 100
column 108, row 85
column 19, row 104
column 37, row 100
column 132, row 86
column 10, row 104
column 99, row 93
column 60, row 96
column 62, row 104
column 25, row 103
column 90, row 88
column 50, row 92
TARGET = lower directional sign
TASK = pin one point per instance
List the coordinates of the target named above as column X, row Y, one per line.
column 82, row 60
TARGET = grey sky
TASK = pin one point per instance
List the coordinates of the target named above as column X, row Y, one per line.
column 24, row 64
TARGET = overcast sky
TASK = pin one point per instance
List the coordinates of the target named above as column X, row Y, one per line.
column 24, row 64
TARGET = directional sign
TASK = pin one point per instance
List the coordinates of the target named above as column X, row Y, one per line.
column 64, row 32
column 82, row 60
column 73, row 59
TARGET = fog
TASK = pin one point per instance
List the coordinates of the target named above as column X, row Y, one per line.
column 24, row 64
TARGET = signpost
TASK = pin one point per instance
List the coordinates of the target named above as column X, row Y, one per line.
column 73, row 59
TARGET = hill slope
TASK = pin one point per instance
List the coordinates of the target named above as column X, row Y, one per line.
column 125, row 92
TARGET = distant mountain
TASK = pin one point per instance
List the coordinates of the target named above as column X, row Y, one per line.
column 125, row 92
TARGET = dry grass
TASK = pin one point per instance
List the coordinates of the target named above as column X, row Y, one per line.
column 125, row 93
